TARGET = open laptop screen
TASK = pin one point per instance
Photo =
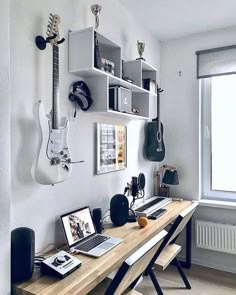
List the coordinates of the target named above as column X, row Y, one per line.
column 78, row 225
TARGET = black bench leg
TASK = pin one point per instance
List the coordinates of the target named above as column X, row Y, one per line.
column 181, row 272
column 155, row 282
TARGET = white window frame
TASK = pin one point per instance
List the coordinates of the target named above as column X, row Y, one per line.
column 205, row 147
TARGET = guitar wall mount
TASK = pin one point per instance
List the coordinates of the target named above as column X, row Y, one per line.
column 41, row 42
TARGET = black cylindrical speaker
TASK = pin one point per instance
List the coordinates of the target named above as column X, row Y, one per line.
column 97, row 220
column 22, row 254
column 119, row 210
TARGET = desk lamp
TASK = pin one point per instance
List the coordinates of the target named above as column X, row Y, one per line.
column 170, row 177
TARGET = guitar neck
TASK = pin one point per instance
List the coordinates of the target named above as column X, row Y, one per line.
column 55, row 88
column 158, row 109
column 158, row 119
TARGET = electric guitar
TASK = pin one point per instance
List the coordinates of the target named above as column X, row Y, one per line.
column 52, row 164
column 154, row 145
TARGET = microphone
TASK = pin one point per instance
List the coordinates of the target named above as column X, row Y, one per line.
column 134, row 186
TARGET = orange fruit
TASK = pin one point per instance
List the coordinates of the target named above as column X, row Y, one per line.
column 143, row 221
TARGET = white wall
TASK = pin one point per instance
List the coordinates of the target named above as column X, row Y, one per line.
column 5, row 186
column 180, row 114
column 39, row 206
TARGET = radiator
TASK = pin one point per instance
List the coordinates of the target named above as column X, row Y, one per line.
column 216, row 236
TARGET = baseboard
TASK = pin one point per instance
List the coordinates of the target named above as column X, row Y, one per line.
column 211, row 265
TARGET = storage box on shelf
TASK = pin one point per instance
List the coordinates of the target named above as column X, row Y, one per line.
column 81, row 64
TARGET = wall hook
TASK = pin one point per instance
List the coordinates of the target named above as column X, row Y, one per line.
column 41, row 43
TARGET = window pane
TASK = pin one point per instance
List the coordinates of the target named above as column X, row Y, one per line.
column 223, row 125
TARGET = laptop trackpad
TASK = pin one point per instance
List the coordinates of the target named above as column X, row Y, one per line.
column 105, row 245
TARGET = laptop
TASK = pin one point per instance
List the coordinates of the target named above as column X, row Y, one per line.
column 81, row 234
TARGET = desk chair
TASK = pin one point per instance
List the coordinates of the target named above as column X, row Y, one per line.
column 168, row 250
column 131, row 270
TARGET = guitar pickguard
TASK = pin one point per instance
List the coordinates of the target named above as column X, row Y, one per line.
column 57, row 149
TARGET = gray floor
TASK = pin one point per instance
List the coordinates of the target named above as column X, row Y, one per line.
column 204, row 281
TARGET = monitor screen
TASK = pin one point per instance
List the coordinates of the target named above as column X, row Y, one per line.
column 78, row 225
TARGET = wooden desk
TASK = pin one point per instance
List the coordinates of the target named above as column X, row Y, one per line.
column 94, row 270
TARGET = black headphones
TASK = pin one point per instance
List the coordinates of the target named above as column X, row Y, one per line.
column 80, row 93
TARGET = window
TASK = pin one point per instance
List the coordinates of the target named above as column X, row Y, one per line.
column 217, row 71
column 218, row 133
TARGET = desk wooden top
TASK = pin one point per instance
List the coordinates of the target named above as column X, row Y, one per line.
column 94, row 270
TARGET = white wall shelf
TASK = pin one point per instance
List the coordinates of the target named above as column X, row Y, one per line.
column 119, row 115
column 81, row 63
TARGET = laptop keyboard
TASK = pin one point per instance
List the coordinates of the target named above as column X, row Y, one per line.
column 92, row 243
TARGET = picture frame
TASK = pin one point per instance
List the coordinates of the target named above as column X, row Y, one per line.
column 111, row 147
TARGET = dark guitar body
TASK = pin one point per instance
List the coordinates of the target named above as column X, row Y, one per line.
column 152, row 144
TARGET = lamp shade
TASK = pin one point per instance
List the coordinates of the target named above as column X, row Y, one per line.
column 171, row 177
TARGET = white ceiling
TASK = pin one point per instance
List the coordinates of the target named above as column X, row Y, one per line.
column 170, row 19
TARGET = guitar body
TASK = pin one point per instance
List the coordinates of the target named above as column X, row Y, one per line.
column 51, row 165
column 154, row 145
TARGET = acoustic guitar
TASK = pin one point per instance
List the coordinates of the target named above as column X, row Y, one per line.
column 52, row 164
column 154, row 144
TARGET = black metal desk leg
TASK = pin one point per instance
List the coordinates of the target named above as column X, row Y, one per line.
column 188, row 259
column 155, row 282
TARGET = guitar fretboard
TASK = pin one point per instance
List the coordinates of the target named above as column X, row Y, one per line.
column 55, row 90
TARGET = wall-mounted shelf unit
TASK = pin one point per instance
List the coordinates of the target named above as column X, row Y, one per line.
column 81, row 64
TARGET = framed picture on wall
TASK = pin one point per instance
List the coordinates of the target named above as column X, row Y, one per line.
column 111, row 147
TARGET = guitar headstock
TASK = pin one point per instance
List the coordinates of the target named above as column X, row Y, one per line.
column 52, row 28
